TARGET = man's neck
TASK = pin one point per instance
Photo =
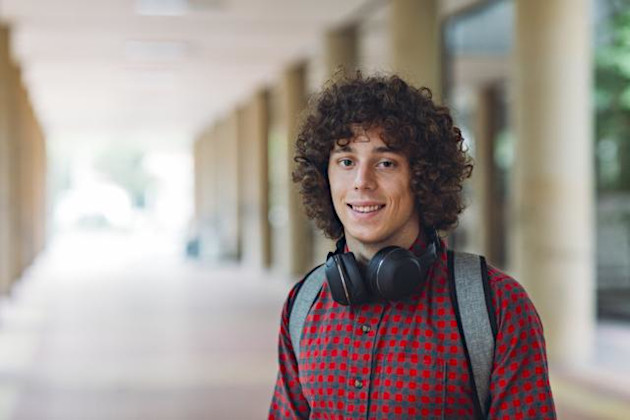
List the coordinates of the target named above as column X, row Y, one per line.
column 363, row 252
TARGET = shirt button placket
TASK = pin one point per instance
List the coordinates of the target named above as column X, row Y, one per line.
column 364, row 346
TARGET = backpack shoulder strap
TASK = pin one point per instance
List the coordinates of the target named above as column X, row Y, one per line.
column 470, row 294
column 302, row 303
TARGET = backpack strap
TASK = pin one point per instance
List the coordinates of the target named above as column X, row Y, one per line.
column 304, row 299
column 470, row 295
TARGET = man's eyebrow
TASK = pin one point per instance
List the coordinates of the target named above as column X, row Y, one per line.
column 348, row 148
column 385, row 149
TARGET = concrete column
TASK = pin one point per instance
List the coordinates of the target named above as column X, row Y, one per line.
column 478, row 234
column 261, row 113
column 553, row 215
column 299, row 235
column 227, row 173
column 22, row 173
column 6, row 164
column 38, row 181
column 253, row 139
column 197, row 179
column 279, row 182
column 15, row 191
column 26, row 178
column 199, row 187
column 484, row 178
column 214, row 151
column 39, row 187
column 206, row 191
column 246, row 237
column 416, row 42
column 341, row 50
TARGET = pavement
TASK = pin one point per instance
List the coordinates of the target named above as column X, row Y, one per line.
column 110, row 326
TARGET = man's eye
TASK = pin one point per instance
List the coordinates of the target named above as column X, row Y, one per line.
column 345, row 162
column 387, row 164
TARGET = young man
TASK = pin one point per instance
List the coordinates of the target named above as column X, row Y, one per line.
column 380, row 165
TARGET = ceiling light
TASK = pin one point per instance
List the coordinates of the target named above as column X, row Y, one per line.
column 155, row 50
column 138, row 79
column 206, row 5
column 161, row 7
column 176, row 7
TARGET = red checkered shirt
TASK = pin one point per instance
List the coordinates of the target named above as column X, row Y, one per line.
column 405, row 359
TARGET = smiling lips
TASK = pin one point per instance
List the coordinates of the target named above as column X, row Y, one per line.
column 366, row 209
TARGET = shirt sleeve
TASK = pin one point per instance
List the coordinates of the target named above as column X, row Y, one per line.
column 288, row 401
column 519, row 383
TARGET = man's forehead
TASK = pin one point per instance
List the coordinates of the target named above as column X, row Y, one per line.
column 366, row 131
column 363, row 135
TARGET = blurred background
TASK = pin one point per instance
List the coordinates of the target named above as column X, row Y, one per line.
column 149, row 230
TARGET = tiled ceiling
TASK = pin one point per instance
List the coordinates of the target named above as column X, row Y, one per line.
column 159, row 69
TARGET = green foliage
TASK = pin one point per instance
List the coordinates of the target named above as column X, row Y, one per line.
column 612, row 98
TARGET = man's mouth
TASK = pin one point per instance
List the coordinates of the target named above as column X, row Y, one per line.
column 366, row 209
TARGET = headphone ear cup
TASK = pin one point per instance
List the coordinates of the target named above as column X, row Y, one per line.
column 345, row 280
column 394, row 273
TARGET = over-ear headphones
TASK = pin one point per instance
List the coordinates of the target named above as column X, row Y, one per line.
column 392, row 274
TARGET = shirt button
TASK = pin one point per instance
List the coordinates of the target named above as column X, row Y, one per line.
column 365, row 328
column 358, row 383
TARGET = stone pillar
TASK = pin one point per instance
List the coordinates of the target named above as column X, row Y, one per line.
column 26, row 178
column 261, row 113
column 15, row 191
column 477, row 233
column 22, row 173
column 227, row 173
column 198, row 191
column 416, row 43
column 553, row 212
column 6, row 165
column 341, row 50
column 206, row 194
column 197, row 180
column 299, row 236
column 40, row 191
column 253, row 139
column 485, row 230
column 279, row 182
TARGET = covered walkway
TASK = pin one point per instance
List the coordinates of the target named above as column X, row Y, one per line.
column 180, row 116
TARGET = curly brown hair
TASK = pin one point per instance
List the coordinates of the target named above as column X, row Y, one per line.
column 411, row 123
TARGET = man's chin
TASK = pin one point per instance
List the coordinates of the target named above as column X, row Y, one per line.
column 365, row 239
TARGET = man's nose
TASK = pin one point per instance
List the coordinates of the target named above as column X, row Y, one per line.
column 364, row 178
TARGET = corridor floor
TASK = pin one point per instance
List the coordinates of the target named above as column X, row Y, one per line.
column 111, row 326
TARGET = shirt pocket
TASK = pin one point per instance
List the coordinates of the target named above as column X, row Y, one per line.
column 433, row 391
column 413, row 389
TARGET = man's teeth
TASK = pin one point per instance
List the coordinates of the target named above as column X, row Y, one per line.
column 366, row 209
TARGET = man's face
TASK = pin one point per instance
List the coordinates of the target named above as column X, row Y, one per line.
column 370, row 186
